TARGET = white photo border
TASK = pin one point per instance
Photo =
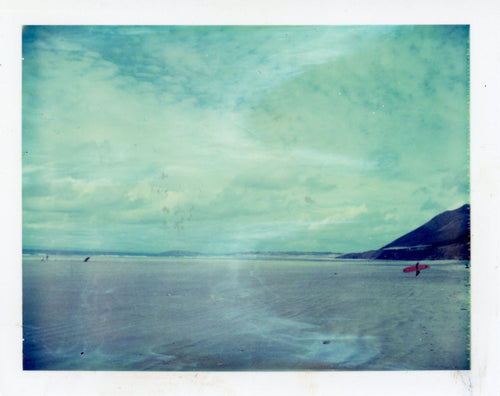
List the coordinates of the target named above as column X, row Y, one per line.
column 483, row 18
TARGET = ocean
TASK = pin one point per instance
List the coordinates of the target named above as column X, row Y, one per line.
column 243, row 313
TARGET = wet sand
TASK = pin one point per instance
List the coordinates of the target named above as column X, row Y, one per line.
column 230, row 313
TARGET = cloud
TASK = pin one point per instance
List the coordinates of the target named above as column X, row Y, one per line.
column 391, row 217
column 345, row 214
column 133, row 130
column 384, row 102
column 433, row 206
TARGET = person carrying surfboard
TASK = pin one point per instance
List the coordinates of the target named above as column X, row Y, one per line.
column 417, row 268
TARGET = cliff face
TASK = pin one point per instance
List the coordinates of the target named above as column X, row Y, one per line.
column 445, row 237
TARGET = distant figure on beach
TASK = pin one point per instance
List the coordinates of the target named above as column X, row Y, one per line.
column 416, row 267
column 87, row 259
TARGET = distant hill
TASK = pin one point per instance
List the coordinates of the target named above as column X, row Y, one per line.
column 445, row 237
column 170, row 253
column 179, row 253
column 63, row 252
column 55, row 252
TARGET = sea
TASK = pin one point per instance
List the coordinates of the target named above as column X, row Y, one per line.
column 249, row 312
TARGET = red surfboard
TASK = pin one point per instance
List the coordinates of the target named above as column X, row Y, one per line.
column 414, row 268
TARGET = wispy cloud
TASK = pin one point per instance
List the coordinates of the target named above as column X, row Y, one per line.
column 132, row 131
column 343, row 215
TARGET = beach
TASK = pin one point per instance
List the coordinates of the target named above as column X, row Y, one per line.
column 244, row 313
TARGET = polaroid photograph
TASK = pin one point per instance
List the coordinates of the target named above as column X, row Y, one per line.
column 193, row 196
column 203, row 203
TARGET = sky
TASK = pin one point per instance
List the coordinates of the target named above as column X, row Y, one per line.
column 241, row 138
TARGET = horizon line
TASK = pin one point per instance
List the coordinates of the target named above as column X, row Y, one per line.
column 173, row 252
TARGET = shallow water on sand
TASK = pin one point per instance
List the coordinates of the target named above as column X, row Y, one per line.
column 247, row 313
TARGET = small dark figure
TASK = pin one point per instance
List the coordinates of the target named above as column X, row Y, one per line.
column 87, row 259
column 416, row 267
